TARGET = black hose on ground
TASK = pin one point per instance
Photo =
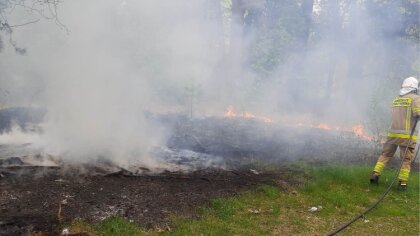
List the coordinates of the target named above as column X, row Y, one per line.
column 342, row 227
column 415, row 156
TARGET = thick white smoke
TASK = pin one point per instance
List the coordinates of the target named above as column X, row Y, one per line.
column 119, row 60
column 122, row 59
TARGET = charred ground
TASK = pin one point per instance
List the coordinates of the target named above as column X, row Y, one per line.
column 46, row 203
column 218, row 157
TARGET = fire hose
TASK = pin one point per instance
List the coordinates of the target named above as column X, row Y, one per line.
column 361, row 215
column 415, row 156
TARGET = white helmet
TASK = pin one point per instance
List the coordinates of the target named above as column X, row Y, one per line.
column 410, row 82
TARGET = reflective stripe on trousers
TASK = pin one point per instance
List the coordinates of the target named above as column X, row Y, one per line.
column 379, row 167
column 404, row 174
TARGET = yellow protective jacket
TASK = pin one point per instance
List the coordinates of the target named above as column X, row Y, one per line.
column 405, row 111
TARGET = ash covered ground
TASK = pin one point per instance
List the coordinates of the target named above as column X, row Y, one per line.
column 205, row 158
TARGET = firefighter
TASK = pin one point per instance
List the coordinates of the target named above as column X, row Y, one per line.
column 405, row 111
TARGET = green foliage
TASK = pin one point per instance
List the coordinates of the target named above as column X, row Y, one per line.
column 270, row 49
column 118, row 226
column 397, row 19
column 268, row 191
column 112, row 226
column 341, row 191
column 345, row 188
column 280, row 32
column 222, row 208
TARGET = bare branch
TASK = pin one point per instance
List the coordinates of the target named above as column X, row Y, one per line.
column 43, row 9
column 27, row 23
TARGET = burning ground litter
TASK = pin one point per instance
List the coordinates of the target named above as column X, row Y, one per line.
column 205, row 158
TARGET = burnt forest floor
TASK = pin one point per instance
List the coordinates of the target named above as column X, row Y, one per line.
column 47, row 202
column 255, row 200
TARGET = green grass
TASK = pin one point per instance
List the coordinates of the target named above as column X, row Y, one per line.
column 342, row 191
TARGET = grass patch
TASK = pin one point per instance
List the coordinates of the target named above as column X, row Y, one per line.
column 341, row 191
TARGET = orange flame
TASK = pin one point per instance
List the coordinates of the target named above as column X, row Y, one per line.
column 323, row 126
column 230, row 113
column 357, row 130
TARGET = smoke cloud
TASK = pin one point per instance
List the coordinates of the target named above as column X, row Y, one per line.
column 121, row 60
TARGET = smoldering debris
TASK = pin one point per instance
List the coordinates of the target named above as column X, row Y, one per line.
column 212, row 142
column 240, row 138
column 189, row 159
column 24, row 118
column 11, row 161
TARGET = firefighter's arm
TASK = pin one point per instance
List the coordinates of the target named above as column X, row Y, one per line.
column 416, row 107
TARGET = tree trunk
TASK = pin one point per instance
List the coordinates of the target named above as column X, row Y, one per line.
column 307, row 8
column 236, row 49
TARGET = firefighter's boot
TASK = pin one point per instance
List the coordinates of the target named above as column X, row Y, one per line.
column 374, row 179
column 402, row 186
